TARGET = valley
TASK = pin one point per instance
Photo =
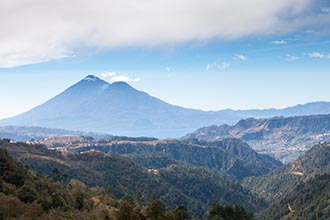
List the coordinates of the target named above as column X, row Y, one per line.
column 190, row 173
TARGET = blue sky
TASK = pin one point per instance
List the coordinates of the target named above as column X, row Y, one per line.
column 201, row 54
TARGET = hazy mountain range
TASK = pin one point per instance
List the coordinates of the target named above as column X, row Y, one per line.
column 22, row 133
column 285, row 138
column 95, row 105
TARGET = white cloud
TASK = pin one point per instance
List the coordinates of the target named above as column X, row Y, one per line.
column 108, row 75
column 114, row 77
column 240, row 57
column 279, row 42
column 208, row 67
column 42, row 30
column 318, row 55
column 217, row 66
column 17, row 57
column 124, row 78
column 169, row 69
column 325, row 10
column 291, row 57
column 224, row 65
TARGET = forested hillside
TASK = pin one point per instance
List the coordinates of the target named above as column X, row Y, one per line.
column 309, row 200
column 194, row 187
column 277, row 184
column 230, row 156
column 27, row 195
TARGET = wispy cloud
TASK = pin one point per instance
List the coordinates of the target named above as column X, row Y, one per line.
column 40, row 31
column 12, row 58
column 169, row 69
column 208, row 67
column 326, row 10
column 279, row 42
column 217, row 66
column 319, row 55
column 114, row 77
column 240, row 57
column 291, row 57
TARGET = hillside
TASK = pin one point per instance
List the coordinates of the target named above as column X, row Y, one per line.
column 126, row 177
column 276, row 185
column 119, row 109
column 25, row 195
column 309, row 200
column 284, row 138
column 230, row 156
column 191, row 173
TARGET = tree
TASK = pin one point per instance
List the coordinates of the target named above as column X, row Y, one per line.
column 128, row 212
column 139, row 198
column 127, row 198
column 216, row 211
column 27, row 193
column 181, row 213
column 155, row 210
column 56, row 174
column 170, row 215
column 237, row 212
column 125, row 211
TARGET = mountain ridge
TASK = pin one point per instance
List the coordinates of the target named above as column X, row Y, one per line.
column 230, row 156
column 95, row 105
column 286, row 138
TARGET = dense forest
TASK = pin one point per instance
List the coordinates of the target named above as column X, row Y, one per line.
column 309, row 200
column 283, row 180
